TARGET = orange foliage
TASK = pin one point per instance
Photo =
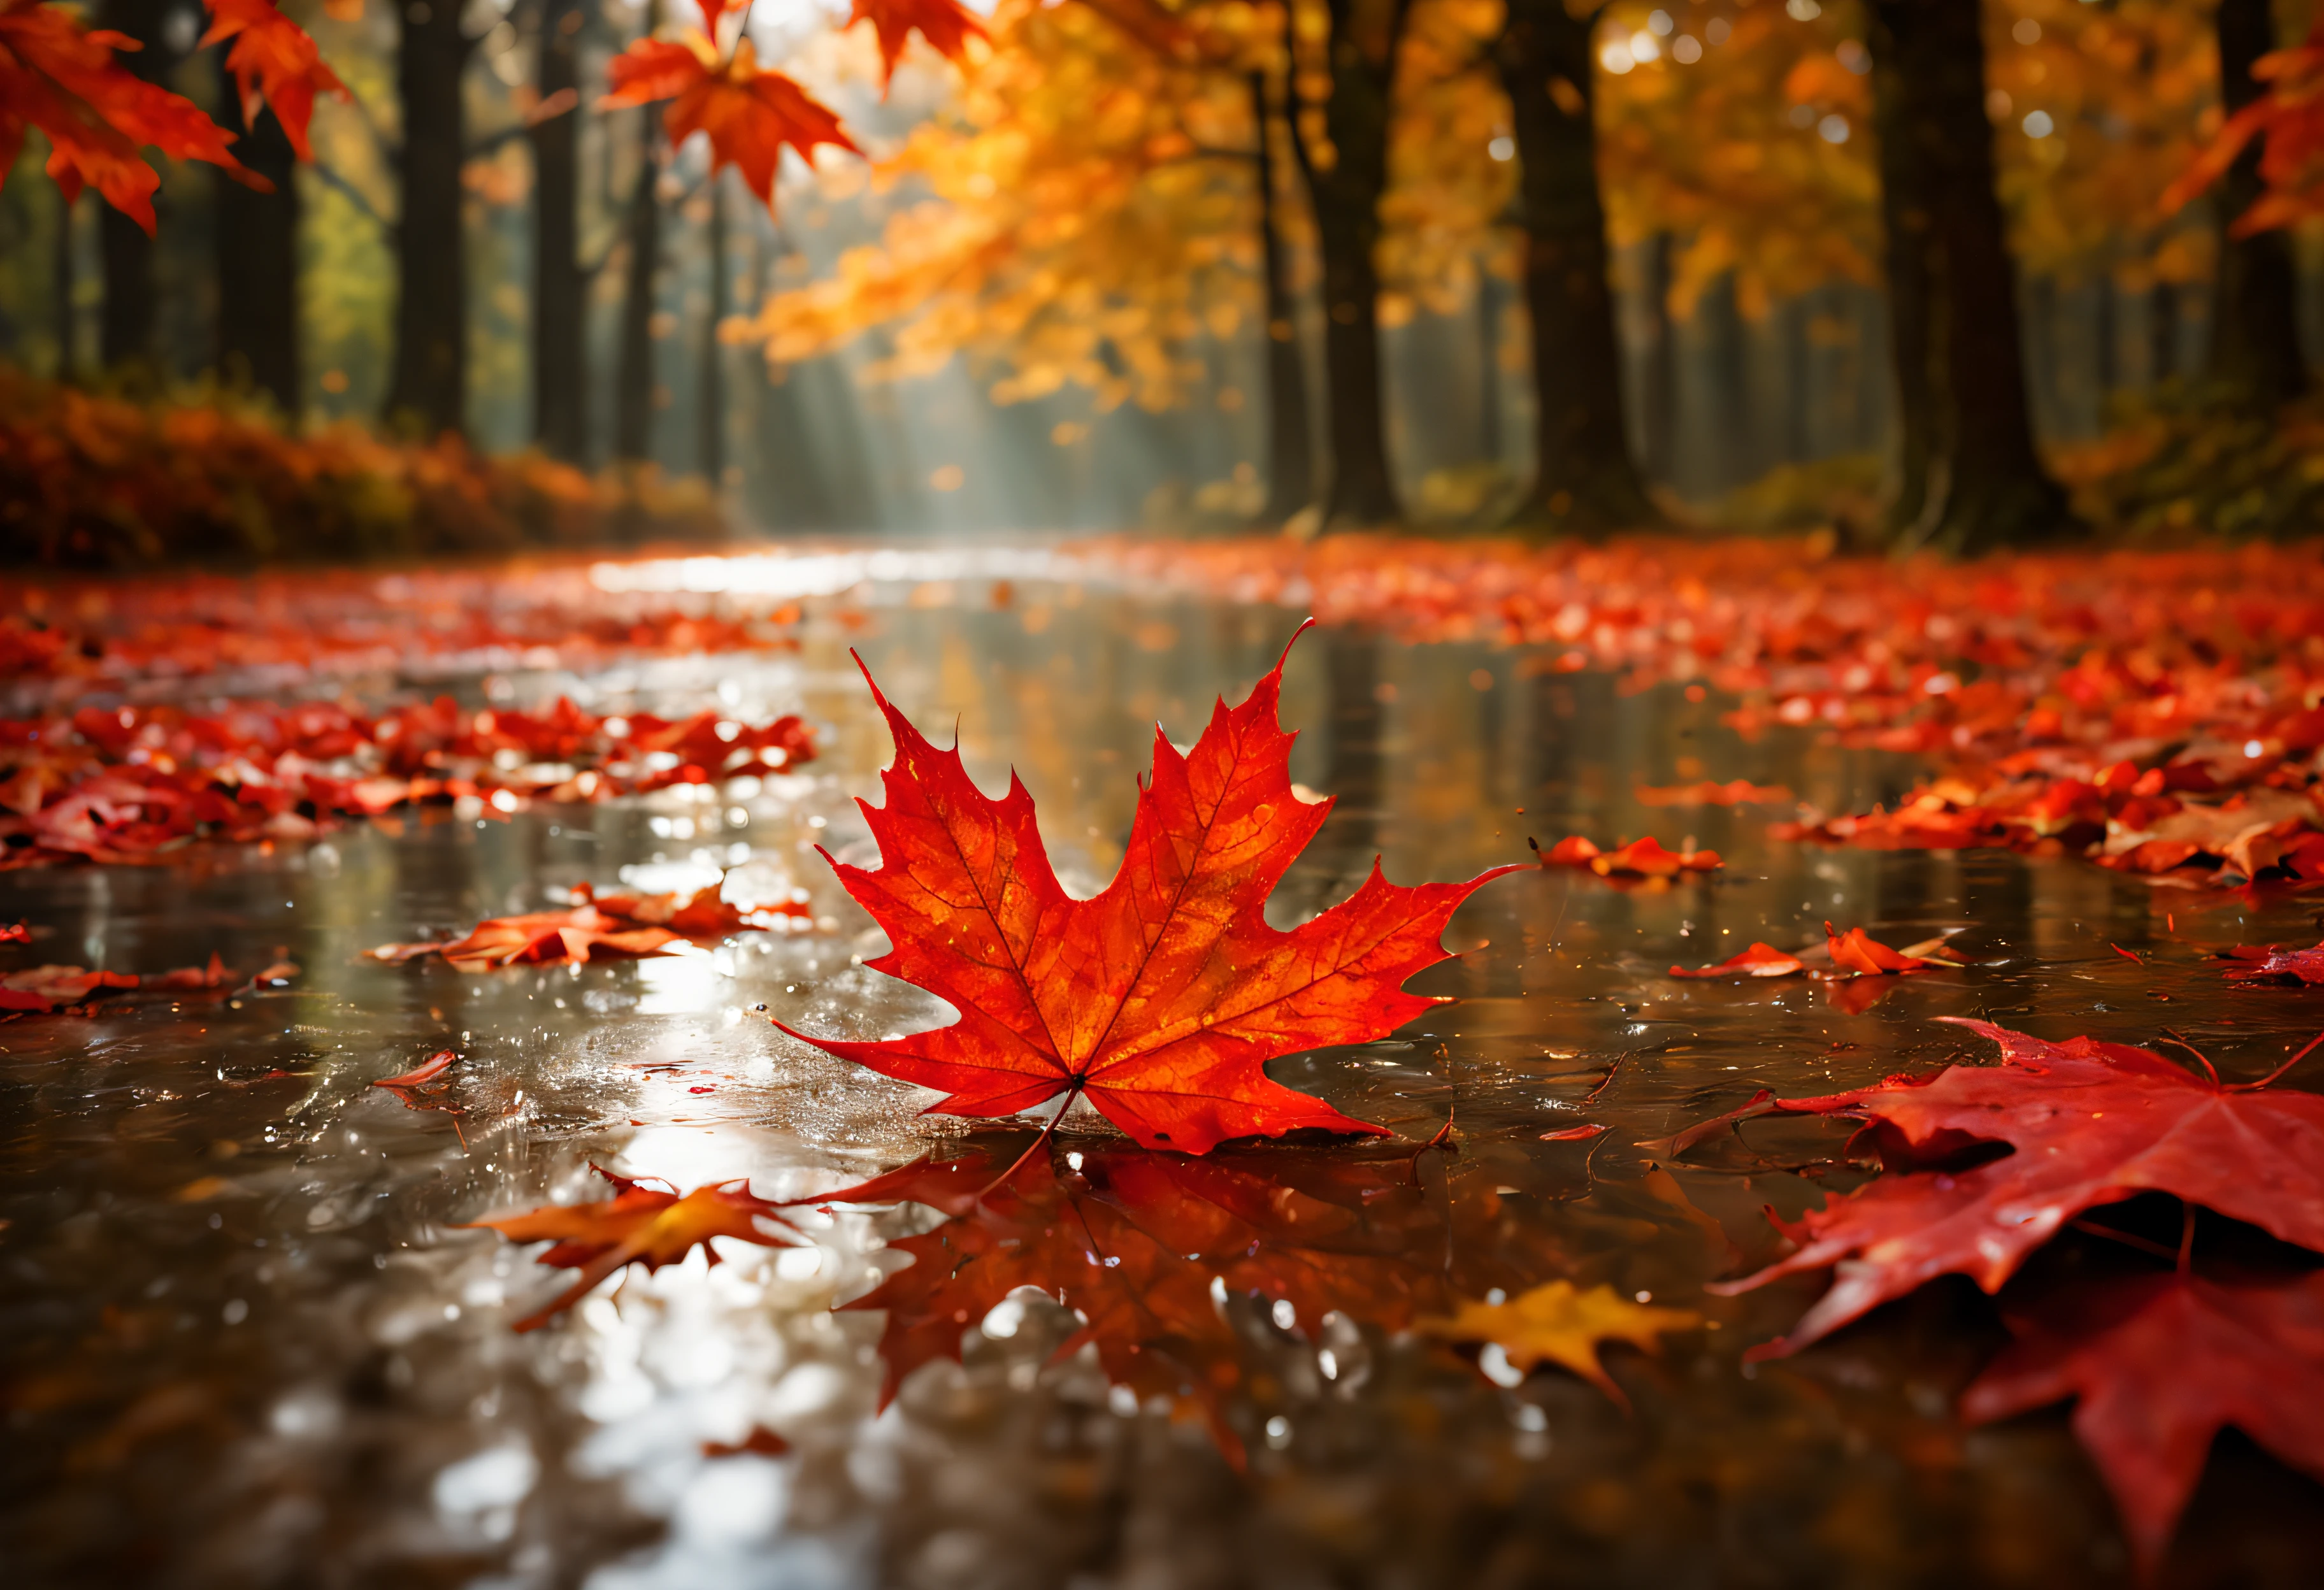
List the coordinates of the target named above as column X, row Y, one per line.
column 62, row 78
column 748, row 115
column 2289, row 117
column 272, row 60
column 943, row 24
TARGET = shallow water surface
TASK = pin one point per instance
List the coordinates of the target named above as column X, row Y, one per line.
column 249, row 1341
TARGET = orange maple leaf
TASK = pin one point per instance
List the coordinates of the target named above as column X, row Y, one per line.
column 748, row 115
column 944, row 23
column 274, row 60
column 61, row 77
column 1161, row 999
column 615, row 924
column 638, row 1225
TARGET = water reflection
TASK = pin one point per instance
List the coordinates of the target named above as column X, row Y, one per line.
column 246, row 1346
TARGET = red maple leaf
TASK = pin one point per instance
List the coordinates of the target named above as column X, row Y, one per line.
column 272, row 60
column 1162, row 999
column 2090, row 1124
column 1761, row 961
column 61, row 77
column 1859, row 953
column 2157, row 1363
column 944, row 23
column 1640, row 858
column 2275, row 963
column 638, row 1225
column 748, row 115
column 615, row 924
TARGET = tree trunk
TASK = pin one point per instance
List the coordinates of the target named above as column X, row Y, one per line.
column 1732, row 447
column 1799, row 317
column 257, row 252
column 1345, row 198
column 1658, row 403
column 1489, row 310
column 1905, row 253
column 633, row 372
column 428, row 386
column 1986, row 486
column 2161, row 332
column 61, row 290
column 712, row 418
column 560, row 375
column 2105, row 366
column 125, row 324
column 1290, row 449
column 1585, row 478
column 2255, row 317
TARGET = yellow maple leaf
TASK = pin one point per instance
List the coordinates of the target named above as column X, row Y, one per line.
column 1559, row 1323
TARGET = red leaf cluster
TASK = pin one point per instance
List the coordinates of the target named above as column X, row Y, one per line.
column 273, row 62
column 945, row 24
column 608, row 924
column 44, row 990
column 125, row 783
column 2288, row 118
column 99, row 117
column 2087, row 1124
column 749, row 116
column 2150, row 710
column 1162, row 999
column 1640, row 858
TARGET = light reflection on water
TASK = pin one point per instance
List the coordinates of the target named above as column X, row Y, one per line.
column 249, row 1345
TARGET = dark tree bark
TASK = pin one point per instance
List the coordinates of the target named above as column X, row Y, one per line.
column 2162, row 331
column 1365, row 34
column 428, row 386
column 1491, row 304
column 1986, row 486
column 2106, row 367
column 126, row 322
column 712, row 418
column 1290, row 448
column 257, row 251
column 1798, row 316
column 1585, row 478
column 2255, row 317
column 1732, row 447
column 62, row 291
column 1905, row 254
column 634, row 368
column 1658, row 396
column 560, row 377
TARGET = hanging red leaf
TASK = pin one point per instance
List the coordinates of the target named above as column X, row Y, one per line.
column 638, row 1225
column 273, row 60
column 2289, row 117
column 2156, row 1365
column 1162, row 999
column 2091, row 1124
column 58, row 77
column 749, row 116
column 945, row 24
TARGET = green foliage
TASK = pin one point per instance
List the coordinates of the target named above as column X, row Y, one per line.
column 2189, row 460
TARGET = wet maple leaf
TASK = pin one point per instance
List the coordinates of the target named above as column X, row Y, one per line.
column 2089, row 1123
column 945, row 24
column 1860, row 953
column 42, row 989
column 638, row 1225
column 273, row 60
column 62, row 77
column 2274, row 964
column 1641, row 858
column 1559, row 1323
column 427, row 1071
column 2157, row 1364
column 748, row 115
column 1162, row 999
column 603, row 925
column 1761, row 961
column 1737, row 791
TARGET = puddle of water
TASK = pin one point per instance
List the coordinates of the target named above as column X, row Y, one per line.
column 249, row 1343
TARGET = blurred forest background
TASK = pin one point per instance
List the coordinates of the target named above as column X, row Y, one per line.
column 1086, row 279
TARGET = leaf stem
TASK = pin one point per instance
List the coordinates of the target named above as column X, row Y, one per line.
column 2272, row 1076
column 1071, row 1094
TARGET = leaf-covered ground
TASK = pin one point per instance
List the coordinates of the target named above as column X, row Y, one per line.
column 250, row 1334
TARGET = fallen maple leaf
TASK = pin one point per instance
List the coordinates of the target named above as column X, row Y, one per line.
column 2157, row 1364
column 273, row 60
column 42, row 989
column 427, row 1071
column 607, row 924
column 1558, row 1323
column 2274, row 964
column 2090, row 1124
column 945, row 24
column 1859, row 953
column 1162, row 999
column 1738, row 792
column 1641, row 858
column 747, row 114
column 638, row 1225
column 1761, row 961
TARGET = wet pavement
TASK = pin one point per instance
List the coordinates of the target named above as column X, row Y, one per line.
column 249, row 1342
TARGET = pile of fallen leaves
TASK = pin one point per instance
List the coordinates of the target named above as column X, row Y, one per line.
column 128, row 784
column 614, row 925
column 50, row 990
column 2162, row 712
column 92, row 480
column 70, row 635
column 2161, row 1344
